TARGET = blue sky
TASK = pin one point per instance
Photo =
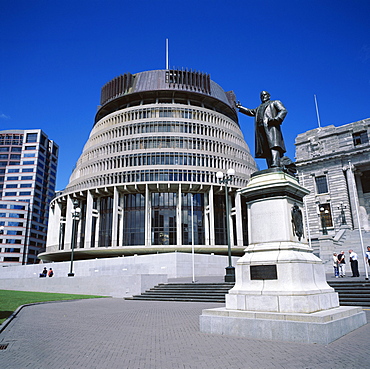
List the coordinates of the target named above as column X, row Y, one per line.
column 56, row 56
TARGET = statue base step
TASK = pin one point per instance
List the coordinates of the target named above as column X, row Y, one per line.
column 321, row 327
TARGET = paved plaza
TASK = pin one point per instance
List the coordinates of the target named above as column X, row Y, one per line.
column 116, row 333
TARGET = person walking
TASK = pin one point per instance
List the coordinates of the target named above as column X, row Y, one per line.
column 342, row 264
column 354, row 263
column 335, row 265
column 367, row 255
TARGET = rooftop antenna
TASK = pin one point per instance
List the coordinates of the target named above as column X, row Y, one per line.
column 317, row 112
column 166, row 53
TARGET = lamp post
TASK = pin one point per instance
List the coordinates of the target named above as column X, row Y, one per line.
column 225, row 179
column 323, row 213
column 75, row 218
column 343, row 216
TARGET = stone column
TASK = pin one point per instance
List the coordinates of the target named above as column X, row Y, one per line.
column 88, row 225
column 206, row 219
column 54, row 225
column 179, row 218
column 120, row 221
column 239, row 219
column 352, row 191
column 210, row 217
column 97, row 228
column 148, row 217
column 115, row 216
column 69, row 222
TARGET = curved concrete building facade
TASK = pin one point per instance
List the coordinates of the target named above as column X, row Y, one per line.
column 146, row 179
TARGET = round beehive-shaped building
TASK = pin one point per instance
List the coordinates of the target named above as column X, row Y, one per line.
column 146, row 179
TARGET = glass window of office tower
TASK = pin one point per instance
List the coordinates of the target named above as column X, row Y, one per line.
column 192, row 218
column 31, row 137
column 164, row 218
column 106, row 217
column 220, row 220
column 134, row 220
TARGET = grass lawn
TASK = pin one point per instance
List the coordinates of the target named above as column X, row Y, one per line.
column 11, row 300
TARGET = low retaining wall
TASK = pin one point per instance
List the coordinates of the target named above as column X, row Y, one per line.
column 115, row 286
column 116, row 277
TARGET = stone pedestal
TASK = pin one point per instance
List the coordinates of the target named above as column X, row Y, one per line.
column 281, row 290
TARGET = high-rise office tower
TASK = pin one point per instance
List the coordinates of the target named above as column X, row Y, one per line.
column 146, row 179
column 28, row 166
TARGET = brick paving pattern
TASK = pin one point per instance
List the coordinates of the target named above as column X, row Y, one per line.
column 115, row 333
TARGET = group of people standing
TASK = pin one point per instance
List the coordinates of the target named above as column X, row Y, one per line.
column 339, row 263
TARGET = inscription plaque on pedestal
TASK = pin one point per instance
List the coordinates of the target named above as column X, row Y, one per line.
column 263, row 272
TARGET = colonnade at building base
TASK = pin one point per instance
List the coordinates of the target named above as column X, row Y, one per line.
column 140, row 219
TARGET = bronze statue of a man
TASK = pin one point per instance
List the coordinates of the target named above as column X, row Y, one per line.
column 269, row 143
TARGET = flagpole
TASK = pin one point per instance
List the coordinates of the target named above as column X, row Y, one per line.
column 192, row 236
column 166, row 53
column 317, row 112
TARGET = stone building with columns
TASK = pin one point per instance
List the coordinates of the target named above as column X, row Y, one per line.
column 146, row 180
column 334, row 164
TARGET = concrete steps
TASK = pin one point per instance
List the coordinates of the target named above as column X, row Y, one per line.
column 351, row 293
column 351, row 240
column 200, row 292
column 355, row 293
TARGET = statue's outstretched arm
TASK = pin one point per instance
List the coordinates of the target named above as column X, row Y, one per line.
column 246, row 111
